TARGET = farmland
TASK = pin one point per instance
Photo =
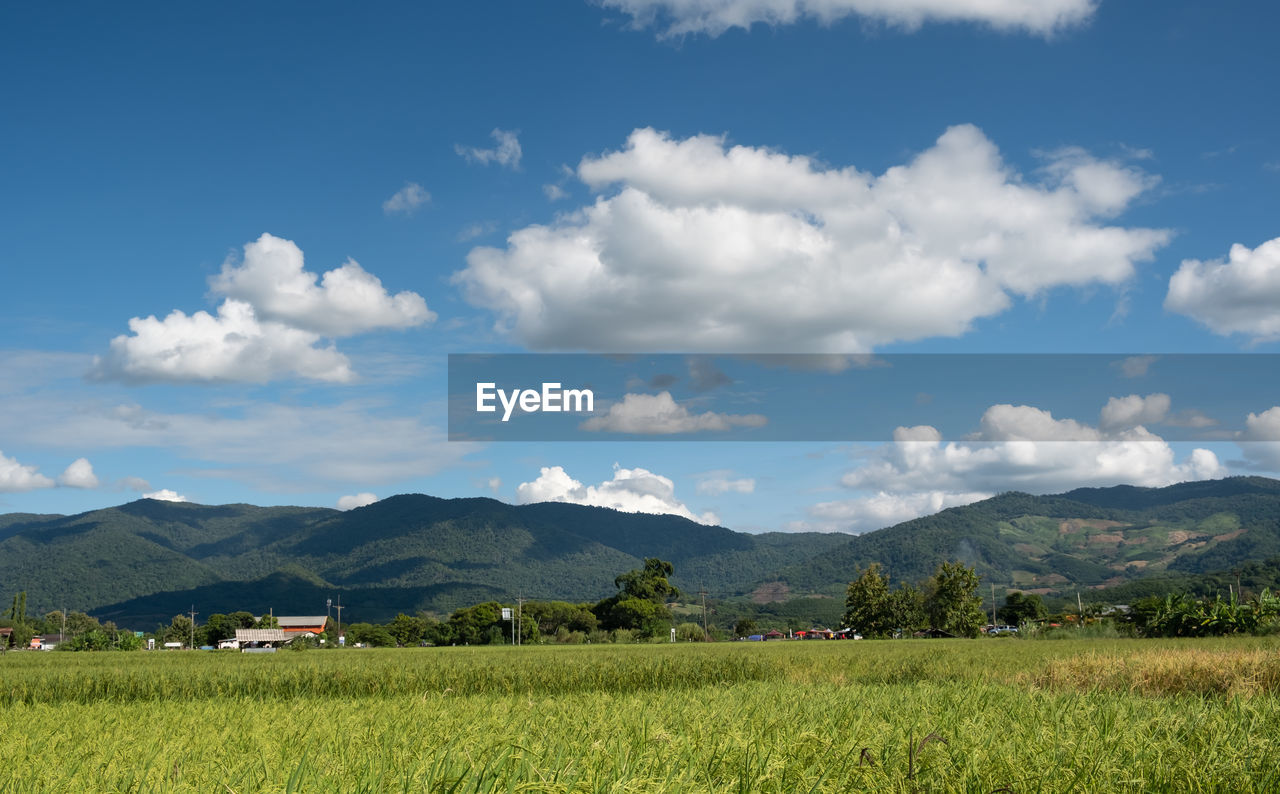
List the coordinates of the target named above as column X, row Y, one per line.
column 942, row 715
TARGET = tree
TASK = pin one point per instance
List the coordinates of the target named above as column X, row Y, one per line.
column 745, row 627
column 952, row 602
column 368, row 634
column 690, row 632
column 867, row 604
column 906, row 609
column 407, row 630
column 16, row 619
column 220, row 627
column 471, row 625
column 649, row 582
column 640, row 604
column 178, row 630
column 1020, row 608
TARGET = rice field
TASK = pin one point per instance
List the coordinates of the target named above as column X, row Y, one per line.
column 991, row 715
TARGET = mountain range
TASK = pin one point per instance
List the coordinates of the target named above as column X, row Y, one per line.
column 142, row 562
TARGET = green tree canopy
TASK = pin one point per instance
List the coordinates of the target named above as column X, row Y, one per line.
column 1022, row 607
column 867, row 603
column 951, row 600
column 640, row 604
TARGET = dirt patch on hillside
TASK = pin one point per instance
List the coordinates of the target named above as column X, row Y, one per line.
column 770, row 592
column 1107, row 538
column 1076, row 524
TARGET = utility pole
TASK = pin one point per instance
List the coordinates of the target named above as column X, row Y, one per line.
column 1080, row 608
column 993, row 603
column 193, row 626
column 64, row 625
column 338, row 606
column 519, row 620
column 706, row 635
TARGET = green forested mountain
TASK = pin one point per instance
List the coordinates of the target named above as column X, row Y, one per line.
column 1087, row 538
column 145, row 561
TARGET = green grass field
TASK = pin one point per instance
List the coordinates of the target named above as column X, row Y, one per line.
column 990, row 715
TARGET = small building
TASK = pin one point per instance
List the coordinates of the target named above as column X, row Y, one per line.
column 302, row 626
column 260, row 639
column 774, row 634
column 46, row 642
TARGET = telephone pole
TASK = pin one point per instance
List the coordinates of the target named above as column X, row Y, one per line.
column 193, row 626
column 993, row 603
column 706, row 635
column 519, row 620
column 338, row 607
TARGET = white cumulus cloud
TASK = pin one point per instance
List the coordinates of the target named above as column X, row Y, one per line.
column 15, row 477
column 79, row 475
column 1018, row 447
column 710, row 247
column 879, row 510
column 631, row 490
column 233, row 346
column 1261, row 439
column 713, row 17
column 351, row 502
column 406, row 199
column 1239, row 295
column 1124, row 413
column 165, row 495
column 1025, row 448
column 660, row 414
column 270, row 325
column 347, row 300
column 506, row 152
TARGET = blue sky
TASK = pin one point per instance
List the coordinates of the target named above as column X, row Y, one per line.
column 621, row 176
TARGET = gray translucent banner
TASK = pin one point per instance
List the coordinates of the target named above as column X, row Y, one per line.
column 923, row 397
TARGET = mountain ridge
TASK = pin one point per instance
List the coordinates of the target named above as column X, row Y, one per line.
column 146, row 559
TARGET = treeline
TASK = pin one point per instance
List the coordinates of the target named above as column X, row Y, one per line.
column 945, row 603
column 1181, row 615
column 76, row 630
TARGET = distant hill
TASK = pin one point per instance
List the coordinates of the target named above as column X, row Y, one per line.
column 142, row 562
column 147, row 560
column 1086, row 538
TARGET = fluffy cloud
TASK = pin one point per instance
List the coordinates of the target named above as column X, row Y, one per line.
column 15, row 477
column 507, row 152
column 1124, row 413
column 713, row 17
column 406, row 200
column 1018, row 447
column 233, row 346
column 717, row 483
column 1136, row 366
column 270, row 325
column 79, row 475
column 1240, row 295
column 165, row 495
column 348, row 300
column 717, row 248
column 1064, row 454
column 358, row 500
column 879, row 510
column 660, row 414
column 1261, row 439
column 631, row 490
